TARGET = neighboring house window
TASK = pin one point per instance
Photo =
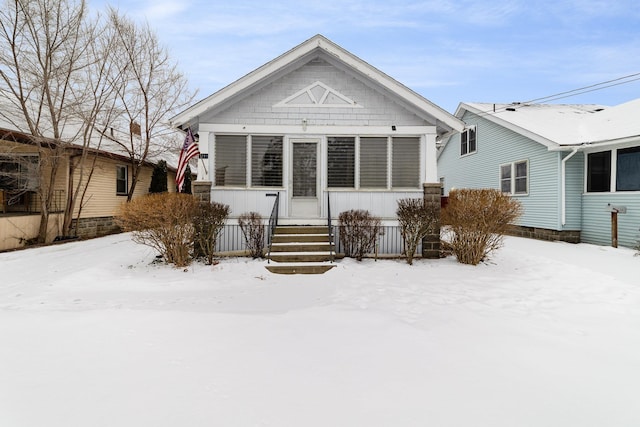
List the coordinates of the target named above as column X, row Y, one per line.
column 468, row 141
column 514, row 177
column 231, row 160
column 628, row 169
column 341, row 162
column 19, row 172
column 505, row 178
column 122, row 174
column 266, row 161
column 405, row 165
column 599, row 172
column 373, row 162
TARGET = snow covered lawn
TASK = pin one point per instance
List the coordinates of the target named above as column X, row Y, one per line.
column 94, row 334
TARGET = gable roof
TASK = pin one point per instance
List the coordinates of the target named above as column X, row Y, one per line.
column 559, row 126
column 319, row 46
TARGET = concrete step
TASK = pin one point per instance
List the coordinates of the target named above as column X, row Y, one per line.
column 301, row 256
column 300, row 268
column 301, row 229
column 301, row 250
column 293, row 238
column 302, row 247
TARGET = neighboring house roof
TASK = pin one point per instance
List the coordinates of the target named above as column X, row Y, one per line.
column 105, row 143
column 318, row 46
column 107, row 149
column 562, row 125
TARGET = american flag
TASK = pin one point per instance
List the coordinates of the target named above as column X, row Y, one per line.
column 189, row 151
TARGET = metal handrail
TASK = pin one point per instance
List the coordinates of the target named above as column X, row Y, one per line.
column 273, row 221
column 330, row 228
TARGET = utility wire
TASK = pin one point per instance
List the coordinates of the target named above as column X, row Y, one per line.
column 567, row 94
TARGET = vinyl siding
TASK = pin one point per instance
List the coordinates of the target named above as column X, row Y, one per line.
column 596, row 218
column 574, row 185
column 496, row 146
column 101, row 199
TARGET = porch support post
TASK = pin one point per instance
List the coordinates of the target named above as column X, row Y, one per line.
column 204, row 165
column 431, row 157
column 202, row 190
column 202, row 186
column 431, row 243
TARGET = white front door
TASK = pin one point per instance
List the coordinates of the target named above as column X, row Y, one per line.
column 304, row 178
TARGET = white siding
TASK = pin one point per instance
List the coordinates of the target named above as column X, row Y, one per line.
column 244, row 201
column 378, row 203
column 258, row 108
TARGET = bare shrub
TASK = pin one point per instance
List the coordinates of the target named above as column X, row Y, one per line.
column 164, row 222
column 477, row 220
column 253, row 230
column 208, row 222
column 417, row 220
column 359, row 231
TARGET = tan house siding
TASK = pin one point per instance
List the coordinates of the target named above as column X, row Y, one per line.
column 96, row 209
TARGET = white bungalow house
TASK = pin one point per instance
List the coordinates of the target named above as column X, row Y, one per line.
column 321, row 128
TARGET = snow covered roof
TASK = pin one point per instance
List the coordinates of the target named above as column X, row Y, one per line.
column 561, row 125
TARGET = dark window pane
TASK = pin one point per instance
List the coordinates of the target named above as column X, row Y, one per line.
column 599, row 172
column 628, row 169
column 505, row 178
column 121, row 180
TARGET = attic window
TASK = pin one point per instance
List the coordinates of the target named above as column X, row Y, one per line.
column 468, row 141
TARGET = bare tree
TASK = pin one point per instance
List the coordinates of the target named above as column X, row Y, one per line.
column 97, row 113
column 149, row 89
column 43, row 46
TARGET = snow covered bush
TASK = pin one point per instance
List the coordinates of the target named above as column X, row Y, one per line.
column 253, row 230
column 359, row 231
column 476, row 221
column 417, row 220
column 163, row 221
column 208, row 222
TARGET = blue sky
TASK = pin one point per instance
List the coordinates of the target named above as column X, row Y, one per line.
column 448, row 51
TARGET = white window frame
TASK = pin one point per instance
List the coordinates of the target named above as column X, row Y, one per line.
column 464, row 141
column 513, row 178
column 126, row 180
column 613, row 169
column 389, row 163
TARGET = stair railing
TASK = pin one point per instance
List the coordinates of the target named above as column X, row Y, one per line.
column 273, row 221
column 330, row 229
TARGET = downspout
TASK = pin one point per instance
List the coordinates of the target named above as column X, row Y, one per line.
column 563, row 185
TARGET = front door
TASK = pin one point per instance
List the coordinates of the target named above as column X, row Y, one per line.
column 304, row 178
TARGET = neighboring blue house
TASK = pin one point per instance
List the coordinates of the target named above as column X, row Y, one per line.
column 569, row 166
